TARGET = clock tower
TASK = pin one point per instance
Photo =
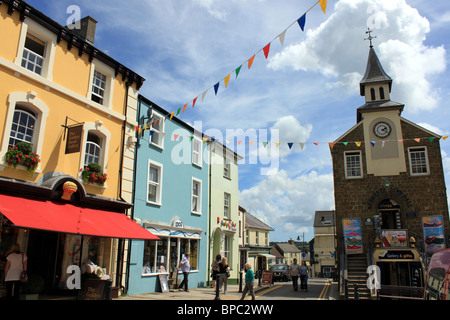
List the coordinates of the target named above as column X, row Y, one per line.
column 380, row 118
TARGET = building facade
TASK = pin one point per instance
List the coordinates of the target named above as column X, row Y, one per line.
column 324, row 244
column 63, row 111
column 224, row 207
column 390, row 195
column 170, row 200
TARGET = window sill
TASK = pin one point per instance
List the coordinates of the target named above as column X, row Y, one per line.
column 22, row 168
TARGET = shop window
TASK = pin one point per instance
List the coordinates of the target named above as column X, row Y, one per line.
column 418, row 161
column 353, row 165
column 22, row 128
column 196, row 196
column 154, row 186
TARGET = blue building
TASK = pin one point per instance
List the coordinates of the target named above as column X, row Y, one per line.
column 170, row 200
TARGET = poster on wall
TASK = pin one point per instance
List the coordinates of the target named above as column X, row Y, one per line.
column 394, row 238
column 433, row 232
column 352, row 236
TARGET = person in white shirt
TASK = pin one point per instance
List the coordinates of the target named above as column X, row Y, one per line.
column 294, row 271
column 16, row 262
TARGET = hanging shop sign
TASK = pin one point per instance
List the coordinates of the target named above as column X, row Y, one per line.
column 74, row 135
column 433, row 232
column 352, row 236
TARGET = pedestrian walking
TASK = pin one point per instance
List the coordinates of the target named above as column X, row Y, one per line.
column 294, row 271
column 249, row 282
column 224, row 273
column 215, row 269
column 185, row 268
column 304, row 271
column 16, row 264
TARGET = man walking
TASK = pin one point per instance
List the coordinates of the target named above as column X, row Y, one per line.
column 185, row 268
column 294, row 271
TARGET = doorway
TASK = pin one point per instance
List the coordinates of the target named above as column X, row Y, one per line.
column 389, row 212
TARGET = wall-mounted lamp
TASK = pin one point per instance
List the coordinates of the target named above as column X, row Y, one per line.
column 387, row 183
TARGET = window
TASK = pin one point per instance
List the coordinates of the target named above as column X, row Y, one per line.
column 381, row 93
column 157, row 132
column 226, row 205
column 418, row 161
column 372, row 93
column 33, row 54
column 154, row 183
column 197, row 152
column 93, row 149
column 228, row 240
column 22, row 127
column 98, row 87
column 196, row 206
column 353, row 167
column 226, row 168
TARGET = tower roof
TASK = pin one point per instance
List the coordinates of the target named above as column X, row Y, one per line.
column 374, row 72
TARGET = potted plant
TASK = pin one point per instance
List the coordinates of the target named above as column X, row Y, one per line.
column 33, row 287
column 92, row 173
column 21, row 154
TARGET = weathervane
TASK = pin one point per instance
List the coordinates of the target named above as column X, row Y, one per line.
column 370, row 36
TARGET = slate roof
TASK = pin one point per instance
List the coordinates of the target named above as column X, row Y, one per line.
column 328, row 218
column 253, row 222
column 374, row 72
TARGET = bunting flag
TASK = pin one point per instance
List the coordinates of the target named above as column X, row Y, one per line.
column 266, row 50
column 323, row 5
column 238, row 69
column 331, row 144
column 372, row 143
column 227, row 79
column 193, row 102
column 282, row 36
column 216, row 87
column 250, row 61
column 301, row 22
column 290, row 144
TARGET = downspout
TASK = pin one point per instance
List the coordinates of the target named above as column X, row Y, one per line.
column 210, row 250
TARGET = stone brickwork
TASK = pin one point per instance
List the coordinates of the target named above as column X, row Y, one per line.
column 418, row 196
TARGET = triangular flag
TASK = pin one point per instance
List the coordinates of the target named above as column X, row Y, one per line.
column 227, row 78
column 266, row 50
column 175, row 137
column 191, row 137
column 178, row 111
column 205, row 139
column 431, row 139
column 238, row 70
column 239, row 141
column 184, row 108
column 204, row 94
column 265, row 144
column 216, row 87
column 323, row 5
column 358, row 143
column 193, row 102
column 331, row 144
column 301, row 22
column 250, row 143
column 401, row 140
column 290, row 144
column 277, row 144
column 445, row 137
column 281, row 37
column 302, row 145
column 250, row 62
column 345, row 143
column 316, row 143
column 372, row 143
column 151, row 132
column 171, row 115
column 417, row 140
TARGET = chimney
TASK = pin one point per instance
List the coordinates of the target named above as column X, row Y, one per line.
column 87, row 29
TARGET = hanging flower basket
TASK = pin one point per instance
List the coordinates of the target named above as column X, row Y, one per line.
column 21, row 155
column 92, row 173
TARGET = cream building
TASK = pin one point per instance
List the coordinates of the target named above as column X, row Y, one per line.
column 324, row 244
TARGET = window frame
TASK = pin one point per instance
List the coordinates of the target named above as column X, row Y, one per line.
column 427, row 164
column 22, row 109
column 158, row 200
column 108, row 72
column 226, row 206
column 160, row 143
column 349, row 153
column 198, row 141
column 199, row 196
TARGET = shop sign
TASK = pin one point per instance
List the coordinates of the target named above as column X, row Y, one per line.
column 74, row 135
column 267, row 276
column 396, row 254
column 352, row 236
column 163, row 283
column 433, row 232
column 394, row 238
column 93, row 290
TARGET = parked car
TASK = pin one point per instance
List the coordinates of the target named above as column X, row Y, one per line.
column 281, row 272
column 438, row 276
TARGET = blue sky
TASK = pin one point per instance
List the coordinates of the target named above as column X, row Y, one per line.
column 307, row 90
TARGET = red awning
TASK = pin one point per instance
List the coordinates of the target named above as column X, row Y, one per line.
column 67, row 218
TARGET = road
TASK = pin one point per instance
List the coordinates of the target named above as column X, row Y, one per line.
column 318, row 289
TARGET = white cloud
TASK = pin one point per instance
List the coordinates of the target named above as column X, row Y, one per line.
column 336, row 50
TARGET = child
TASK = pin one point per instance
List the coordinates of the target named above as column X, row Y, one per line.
column 249, row 282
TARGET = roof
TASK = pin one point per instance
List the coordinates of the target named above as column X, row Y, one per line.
column 253, row 222
column 324, row 218
column 374, row 72
column 378, row 106
column 287, row 247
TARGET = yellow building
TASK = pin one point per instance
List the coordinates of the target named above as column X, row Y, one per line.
column 74, row 106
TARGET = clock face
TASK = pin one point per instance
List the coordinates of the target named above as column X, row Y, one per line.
column 382, row 129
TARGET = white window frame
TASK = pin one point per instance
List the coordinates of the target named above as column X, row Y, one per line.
column 199, row 196
column 226, row 205
column 350, row 153
column 425, row 151
column 198, row 152
column 160, row 142
column 158, row 200
column 49, row 38
column 29, row 100
column 226, row 168
column 109, row 73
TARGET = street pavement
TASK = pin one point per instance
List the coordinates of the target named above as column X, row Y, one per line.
column 330, row 292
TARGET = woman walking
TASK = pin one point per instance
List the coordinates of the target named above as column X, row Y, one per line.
column 304, row 271
column 223, row 274
column 16, row 262
column 249, row 282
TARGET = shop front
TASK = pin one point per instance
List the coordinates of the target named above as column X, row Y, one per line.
column 66, row 236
